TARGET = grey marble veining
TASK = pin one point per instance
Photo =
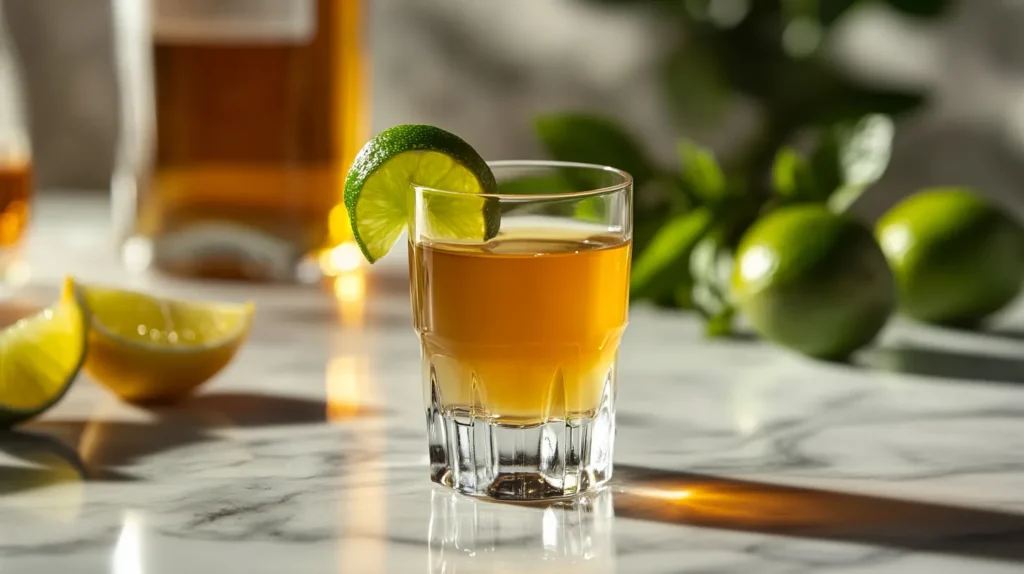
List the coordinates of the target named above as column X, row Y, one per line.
column 307, row 454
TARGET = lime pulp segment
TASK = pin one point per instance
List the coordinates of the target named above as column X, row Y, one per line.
column 39, row 357
column 141, row 319
column 380, row 197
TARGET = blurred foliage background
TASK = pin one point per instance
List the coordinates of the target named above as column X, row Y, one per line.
column 820, row 135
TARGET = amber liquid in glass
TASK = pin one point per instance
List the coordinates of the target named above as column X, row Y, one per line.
column 15, row 198
column 524, row 329
column 253, row 141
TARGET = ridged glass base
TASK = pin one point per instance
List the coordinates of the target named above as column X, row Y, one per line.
column 563, row 454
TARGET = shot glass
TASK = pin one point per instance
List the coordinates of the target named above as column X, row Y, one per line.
column 520, row 330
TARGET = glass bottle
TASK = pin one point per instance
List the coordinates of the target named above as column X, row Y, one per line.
column 240, row 118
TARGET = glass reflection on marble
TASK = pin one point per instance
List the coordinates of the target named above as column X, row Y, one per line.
column 128, row 553
column 349, row 289
column 472, row 535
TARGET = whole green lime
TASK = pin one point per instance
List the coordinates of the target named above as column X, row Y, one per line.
column 957, row 258
column 813, row 281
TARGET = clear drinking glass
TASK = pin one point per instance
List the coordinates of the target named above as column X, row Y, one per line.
column 520, row 332
column 16, row 181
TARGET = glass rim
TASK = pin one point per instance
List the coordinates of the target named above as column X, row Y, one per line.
column 626, row 183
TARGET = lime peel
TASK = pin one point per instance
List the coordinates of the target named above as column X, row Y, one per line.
column 379, row 188
column 150, row 349
column 40, row 357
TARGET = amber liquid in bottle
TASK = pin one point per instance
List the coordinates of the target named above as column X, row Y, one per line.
column 256, row 123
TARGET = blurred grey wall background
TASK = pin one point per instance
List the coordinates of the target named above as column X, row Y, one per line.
column 484, row 68
column 65, row 49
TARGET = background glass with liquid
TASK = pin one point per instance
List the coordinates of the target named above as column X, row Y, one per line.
column 16, row 181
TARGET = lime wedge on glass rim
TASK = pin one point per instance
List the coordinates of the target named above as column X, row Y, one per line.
column 379, row 192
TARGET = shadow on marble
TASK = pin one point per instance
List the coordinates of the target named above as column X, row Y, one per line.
column 987, row 329
column 945, row 363
column 245, row 410
column 725, row 503
column 103, row 445
column 31, row 460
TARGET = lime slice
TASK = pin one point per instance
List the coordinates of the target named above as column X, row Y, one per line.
column 39, row 358
column 149, row 349
column 379, row 194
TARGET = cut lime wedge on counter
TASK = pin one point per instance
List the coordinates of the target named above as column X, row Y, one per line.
column 379, row 191
column 39, row 358
column 152, row 349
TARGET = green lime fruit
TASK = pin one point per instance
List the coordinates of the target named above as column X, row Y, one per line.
column 40, row 356
column 957, row 258
column 813, row 281
column 380, row 196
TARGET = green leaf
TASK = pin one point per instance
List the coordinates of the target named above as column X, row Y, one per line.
column 711, row 266
column 865, row 149
column 645, row 228
column 793, row 177
column 864, row 153
column 585, row 138
column 721, row 325
column 593, row 209
column 701, row 173
column 663, row 265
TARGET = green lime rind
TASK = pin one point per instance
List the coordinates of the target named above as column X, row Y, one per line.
column 958, row 258
column 40, row 357
column 813, row 281
column 379, row 192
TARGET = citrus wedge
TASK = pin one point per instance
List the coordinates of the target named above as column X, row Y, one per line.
column 380, row 196
column 39, row 358
column 150, row 349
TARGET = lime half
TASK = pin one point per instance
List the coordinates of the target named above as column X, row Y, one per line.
column 39, row 358
column 150, row 349
column 379, row 191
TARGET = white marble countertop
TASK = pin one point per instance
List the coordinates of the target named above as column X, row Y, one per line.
column 308, row 453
